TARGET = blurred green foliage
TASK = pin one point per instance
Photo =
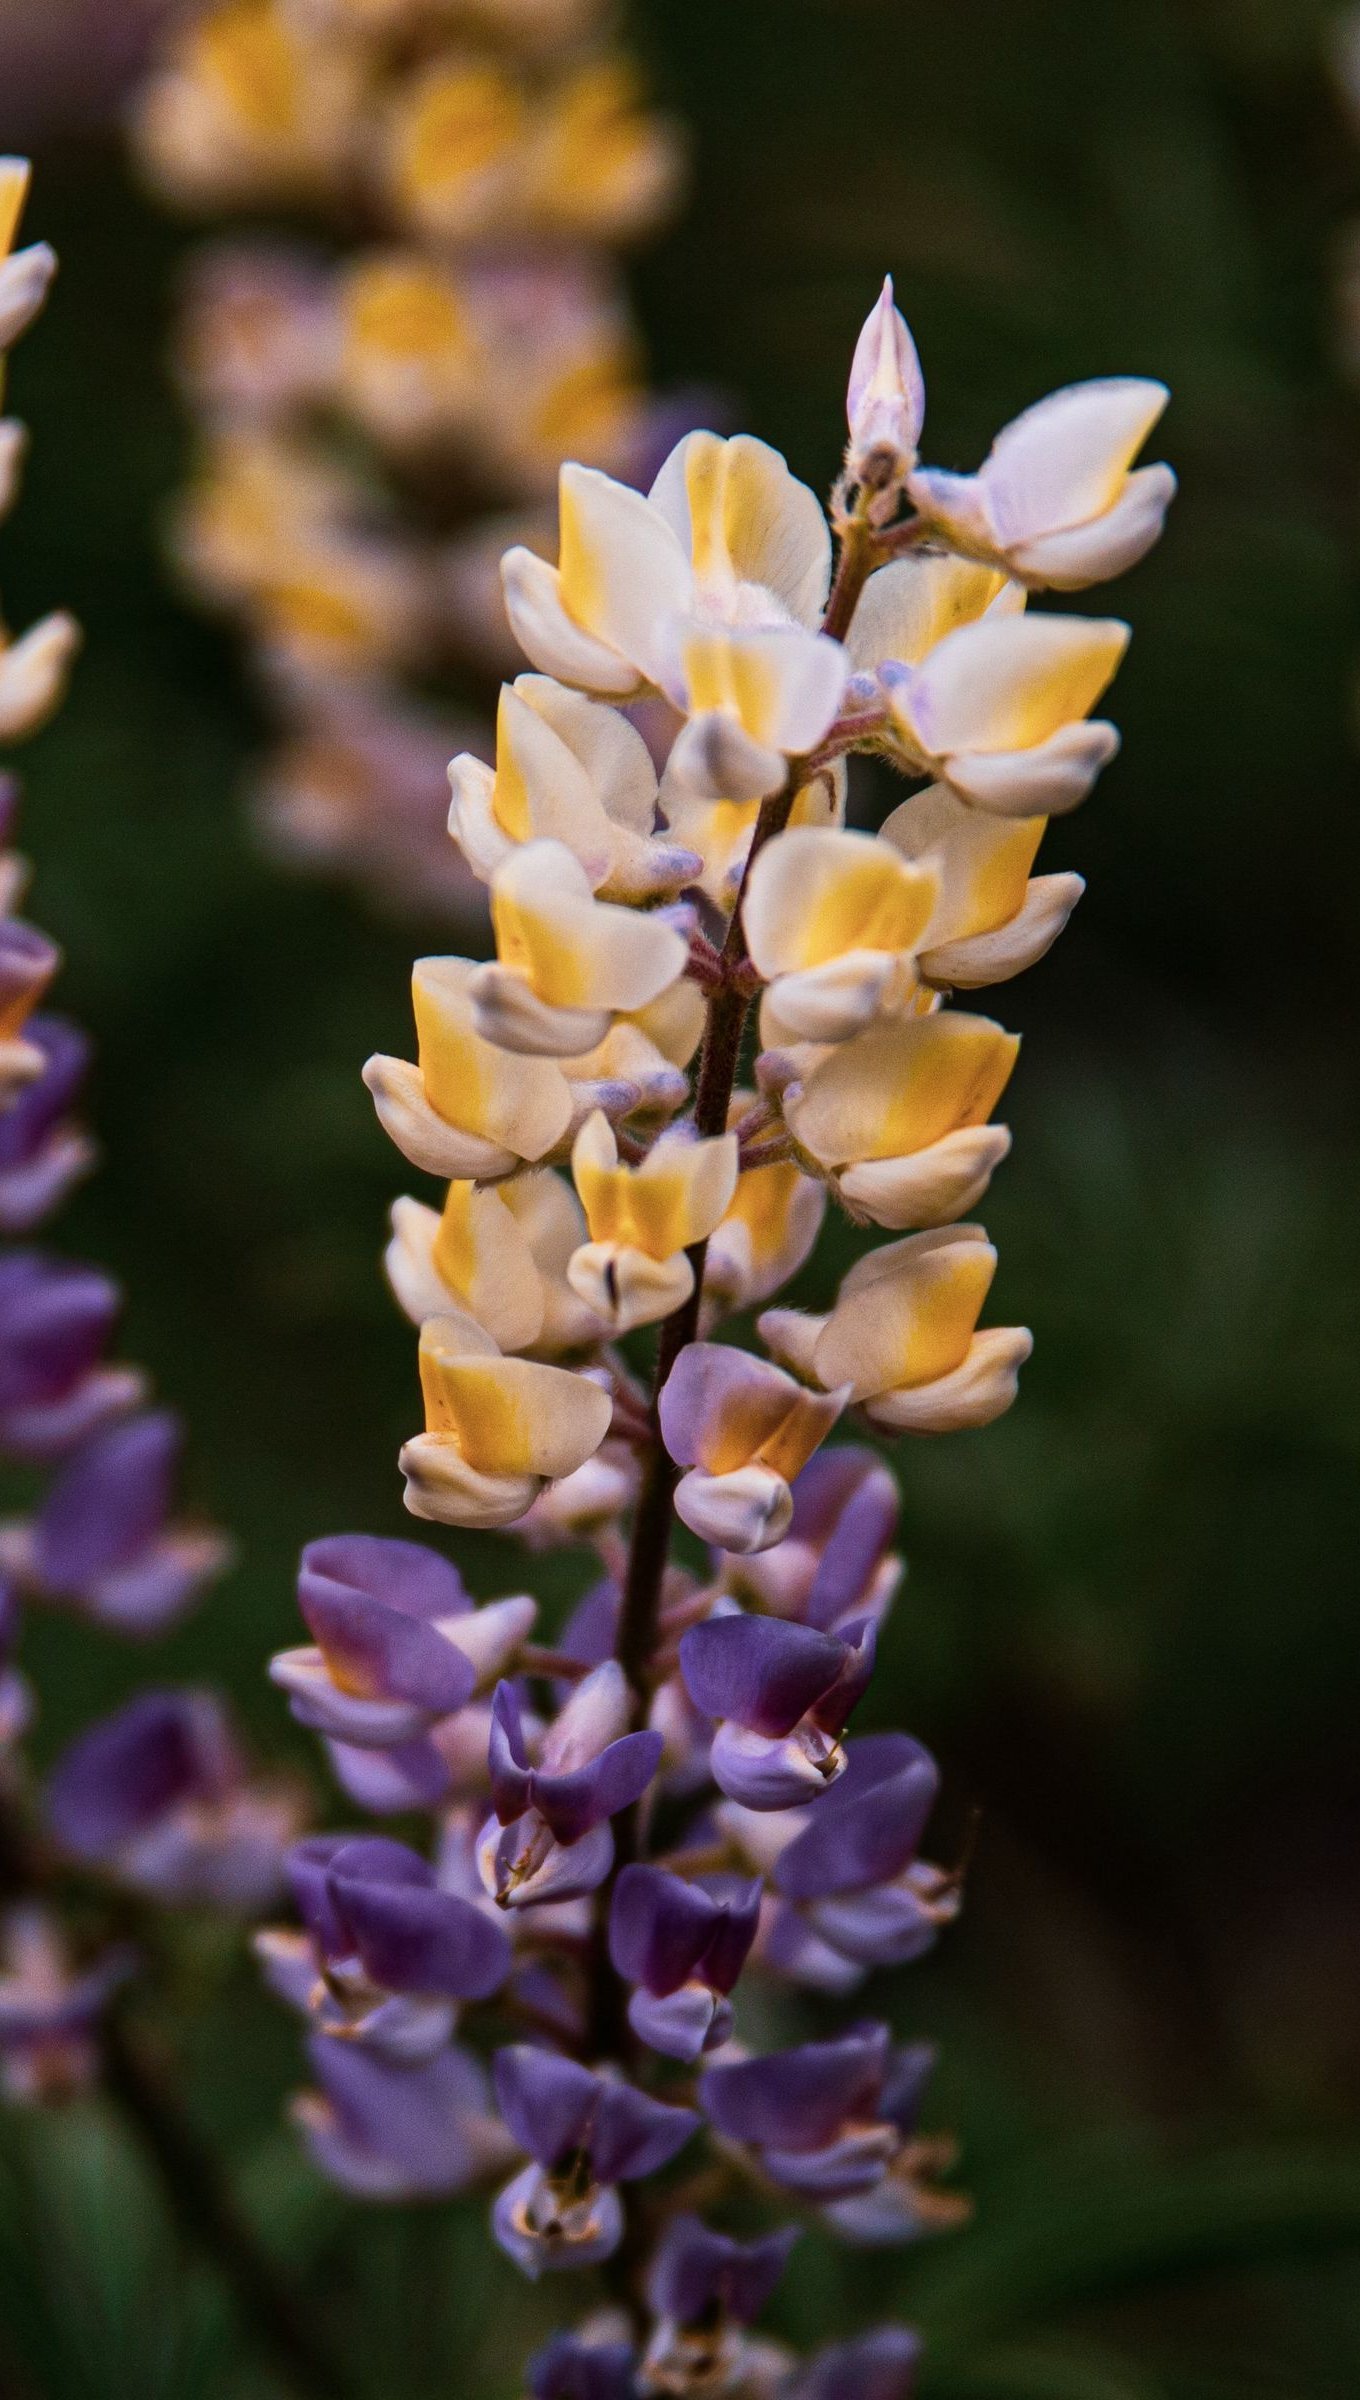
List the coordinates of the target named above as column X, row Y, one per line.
column 1129, row 1624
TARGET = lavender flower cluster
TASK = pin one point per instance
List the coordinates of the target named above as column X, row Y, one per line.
column 159, row 1797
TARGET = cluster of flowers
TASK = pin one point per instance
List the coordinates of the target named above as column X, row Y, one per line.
column 381, row 417
column 627, row 1820
column 158, row 1796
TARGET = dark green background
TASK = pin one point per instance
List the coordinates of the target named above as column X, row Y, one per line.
column 1129, row 1624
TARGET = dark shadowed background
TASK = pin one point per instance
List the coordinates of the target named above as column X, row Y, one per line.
column 1129, row 1628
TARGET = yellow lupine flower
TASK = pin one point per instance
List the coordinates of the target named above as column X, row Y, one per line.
column 643, row 1219
column 565, row 960
column 409, row 358
column 253, row 103
column 768, row 1231
column 833, row 922
column 602, row 164
column 497, row 1430
column 991, row 918
column 567, row 770
column 903, row 1336
column 456, row 139
column 466, row 1110
column 998, row 710
column 896, row 1119
column 472, row 1256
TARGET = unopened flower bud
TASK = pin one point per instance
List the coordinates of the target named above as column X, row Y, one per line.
column 886, row 401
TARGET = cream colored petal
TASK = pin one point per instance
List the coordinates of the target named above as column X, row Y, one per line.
column 1049, row 779
column 483, row 1259
column 628, row 1056
column 443, row 1488
column 835, row 1002
column 791, row 1339
column 901, row 1086
column 983, row 862
column 472, row 823
column 409, row 1261
column 737, row 509
column 1010, row 682
column 421, row 1134
column 911, row 1322
column 977, row 1392
column 782, row 684
column 767, row 1234
column 1065, row 460
column 625, row 1288
column 909, row 606
column 714, row 759
column 674, row 1021
column 13, row 448
column 621, row 571
column 507, row 1011
column 611, row 751
column 578, row 952
column 930, row 1186
column 552, row 638
column 745, row 1511
column 25, row 280
column 509, row 1416
column 523, row 1103
column 814, row 896
column 33, row 675
column 987, row 958
column 1108, row 546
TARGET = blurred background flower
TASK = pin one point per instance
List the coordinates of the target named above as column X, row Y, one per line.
column 1128, row 1632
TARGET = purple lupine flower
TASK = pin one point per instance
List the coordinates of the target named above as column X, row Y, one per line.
column 42, row 1154
column 550, row 1837
column 55, row 1319
column 50, row 2012
column 853, row 1871
column 398, row 1642
column 705, row 2290
column 101, row 1541
column 573, row 2367
column 745, row 1430
column 828, row 2120
column 585, row 2133
column 386, row 1954
column 28, row 962
column 387, row 2130
column 878, row 2366
column 782, row 1695
column 158, row 1795
column 835, row 1563
column 683, row 1945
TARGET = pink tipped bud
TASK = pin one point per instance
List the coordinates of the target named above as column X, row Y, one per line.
column 886, row 401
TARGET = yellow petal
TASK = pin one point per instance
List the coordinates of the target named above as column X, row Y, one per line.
column 906, row 1314
column 509, row 1416
column 901, row 1086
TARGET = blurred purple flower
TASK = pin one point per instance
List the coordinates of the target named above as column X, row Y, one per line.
column 101, row 1543
column 878, row 2366
column 42, row 1154
column 158, row 1795
column 571, row 2367
column 384, row 2130
column 49, row 2012
column 55, row 1319
column 853, row 1869
column 684, row 1945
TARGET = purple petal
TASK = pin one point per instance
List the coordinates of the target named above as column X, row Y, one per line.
column 413, row 1938
column 707, row 1381
column 548, row 2102
column 879, row 2366
column 590, row 1630
column 904, row 2087
column 385, row 1652
column 508, row 1756
column 759, row 1671
column 388, row 1782
column 698, row 2273
column 28, row 962
column 833, row 1710
column 888, row 1926
column 869, row 1825
column 798, row 2099
column 851, row 1511
column 161, row 1751
column 108, row 1503
column 568, row 2369
column 543, row 2237
column 659, row 1927
column 41, row 1105
column 54, row 1322
column 416, row 2129
column 635, row 2135
column 373, row 1855
column 405, row 1576
column 683, row 2025
column 574, row 1803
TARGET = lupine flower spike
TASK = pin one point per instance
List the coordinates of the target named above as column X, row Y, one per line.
column 642, row 1819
